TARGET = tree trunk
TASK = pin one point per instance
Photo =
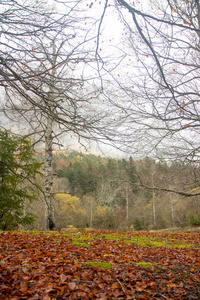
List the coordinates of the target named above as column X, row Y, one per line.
column 154, row 203
column 127, row 203
column 48, row 188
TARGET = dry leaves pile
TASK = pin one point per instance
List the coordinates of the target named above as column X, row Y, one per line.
column 44, row 265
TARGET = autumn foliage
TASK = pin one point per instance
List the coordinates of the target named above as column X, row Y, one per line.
column 99, row 265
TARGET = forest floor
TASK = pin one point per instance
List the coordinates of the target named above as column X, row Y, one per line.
column 99, row 265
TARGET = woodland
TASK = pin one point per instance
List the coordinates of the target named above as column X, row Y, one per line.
column 81, row 226
column 117, row 194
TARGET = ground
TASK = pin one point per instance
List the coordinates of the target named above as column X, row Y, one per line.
column 100, row 265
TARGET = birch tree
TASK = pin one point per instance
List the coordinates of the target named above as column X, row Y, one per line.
column 49, row 80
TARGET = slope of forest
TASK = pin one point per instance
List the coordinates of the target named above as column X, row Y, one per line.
column 108, row 193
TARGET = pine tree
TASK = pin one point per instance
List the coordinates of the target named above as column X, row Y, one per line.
column 18, row 170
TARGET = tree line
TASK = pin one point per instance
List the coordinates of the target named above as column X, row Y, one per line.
column 112, row 193
column 95, row 191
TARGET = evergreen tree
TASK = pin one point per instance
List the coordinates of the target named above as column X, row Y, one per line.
column 17, row 168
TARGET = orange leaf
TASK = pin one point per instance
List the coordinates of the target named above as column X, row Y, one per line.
column 115, row 285
column 171, row 285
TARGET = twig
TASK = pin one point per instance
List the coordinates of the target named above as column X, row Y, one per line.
column 123, row 289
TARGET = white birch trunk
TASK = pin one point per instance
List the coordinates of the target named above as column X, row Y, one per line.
column 127, row 203
column 154, row 203
column 154, row 211
column 172, row 209
column 48, row 187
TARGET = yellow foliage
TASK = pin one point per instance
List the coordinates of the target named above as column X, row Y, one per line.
column 100, row 211
column 68, row 204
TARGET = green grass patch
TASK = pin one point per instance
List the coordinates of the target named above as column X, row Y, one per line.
column 102, row 265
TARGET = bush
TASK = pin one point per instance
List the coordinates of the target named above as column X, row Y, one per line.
column 137, row 224
column 193, row 220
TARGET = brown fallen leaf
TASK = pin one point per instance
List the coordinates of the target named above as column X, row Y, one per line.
column 63, row 277
column 72, row 285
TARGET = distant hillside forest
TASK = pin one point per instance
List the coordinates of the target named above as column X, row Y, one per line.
column 108, row 193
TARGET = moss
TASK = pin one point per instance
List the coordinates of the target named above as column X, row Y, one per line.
column 111, row 237
column 158, row 244
column 139, row 242
column 103, row 265
column 148, row 265
column 147, row 242
column 64, row 234
column 80, row 242
column 145, row 265
column 180, row 246
column 56, row 240
column 85, row 237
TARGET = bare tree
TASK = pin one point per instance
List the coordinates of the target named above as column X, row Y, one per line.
column 48, row 66
column 159, row 77
column 156, row 83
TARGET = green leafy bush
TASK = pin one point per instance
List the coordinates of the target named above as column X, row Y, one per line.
column 193, row 220
column 137, row 224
